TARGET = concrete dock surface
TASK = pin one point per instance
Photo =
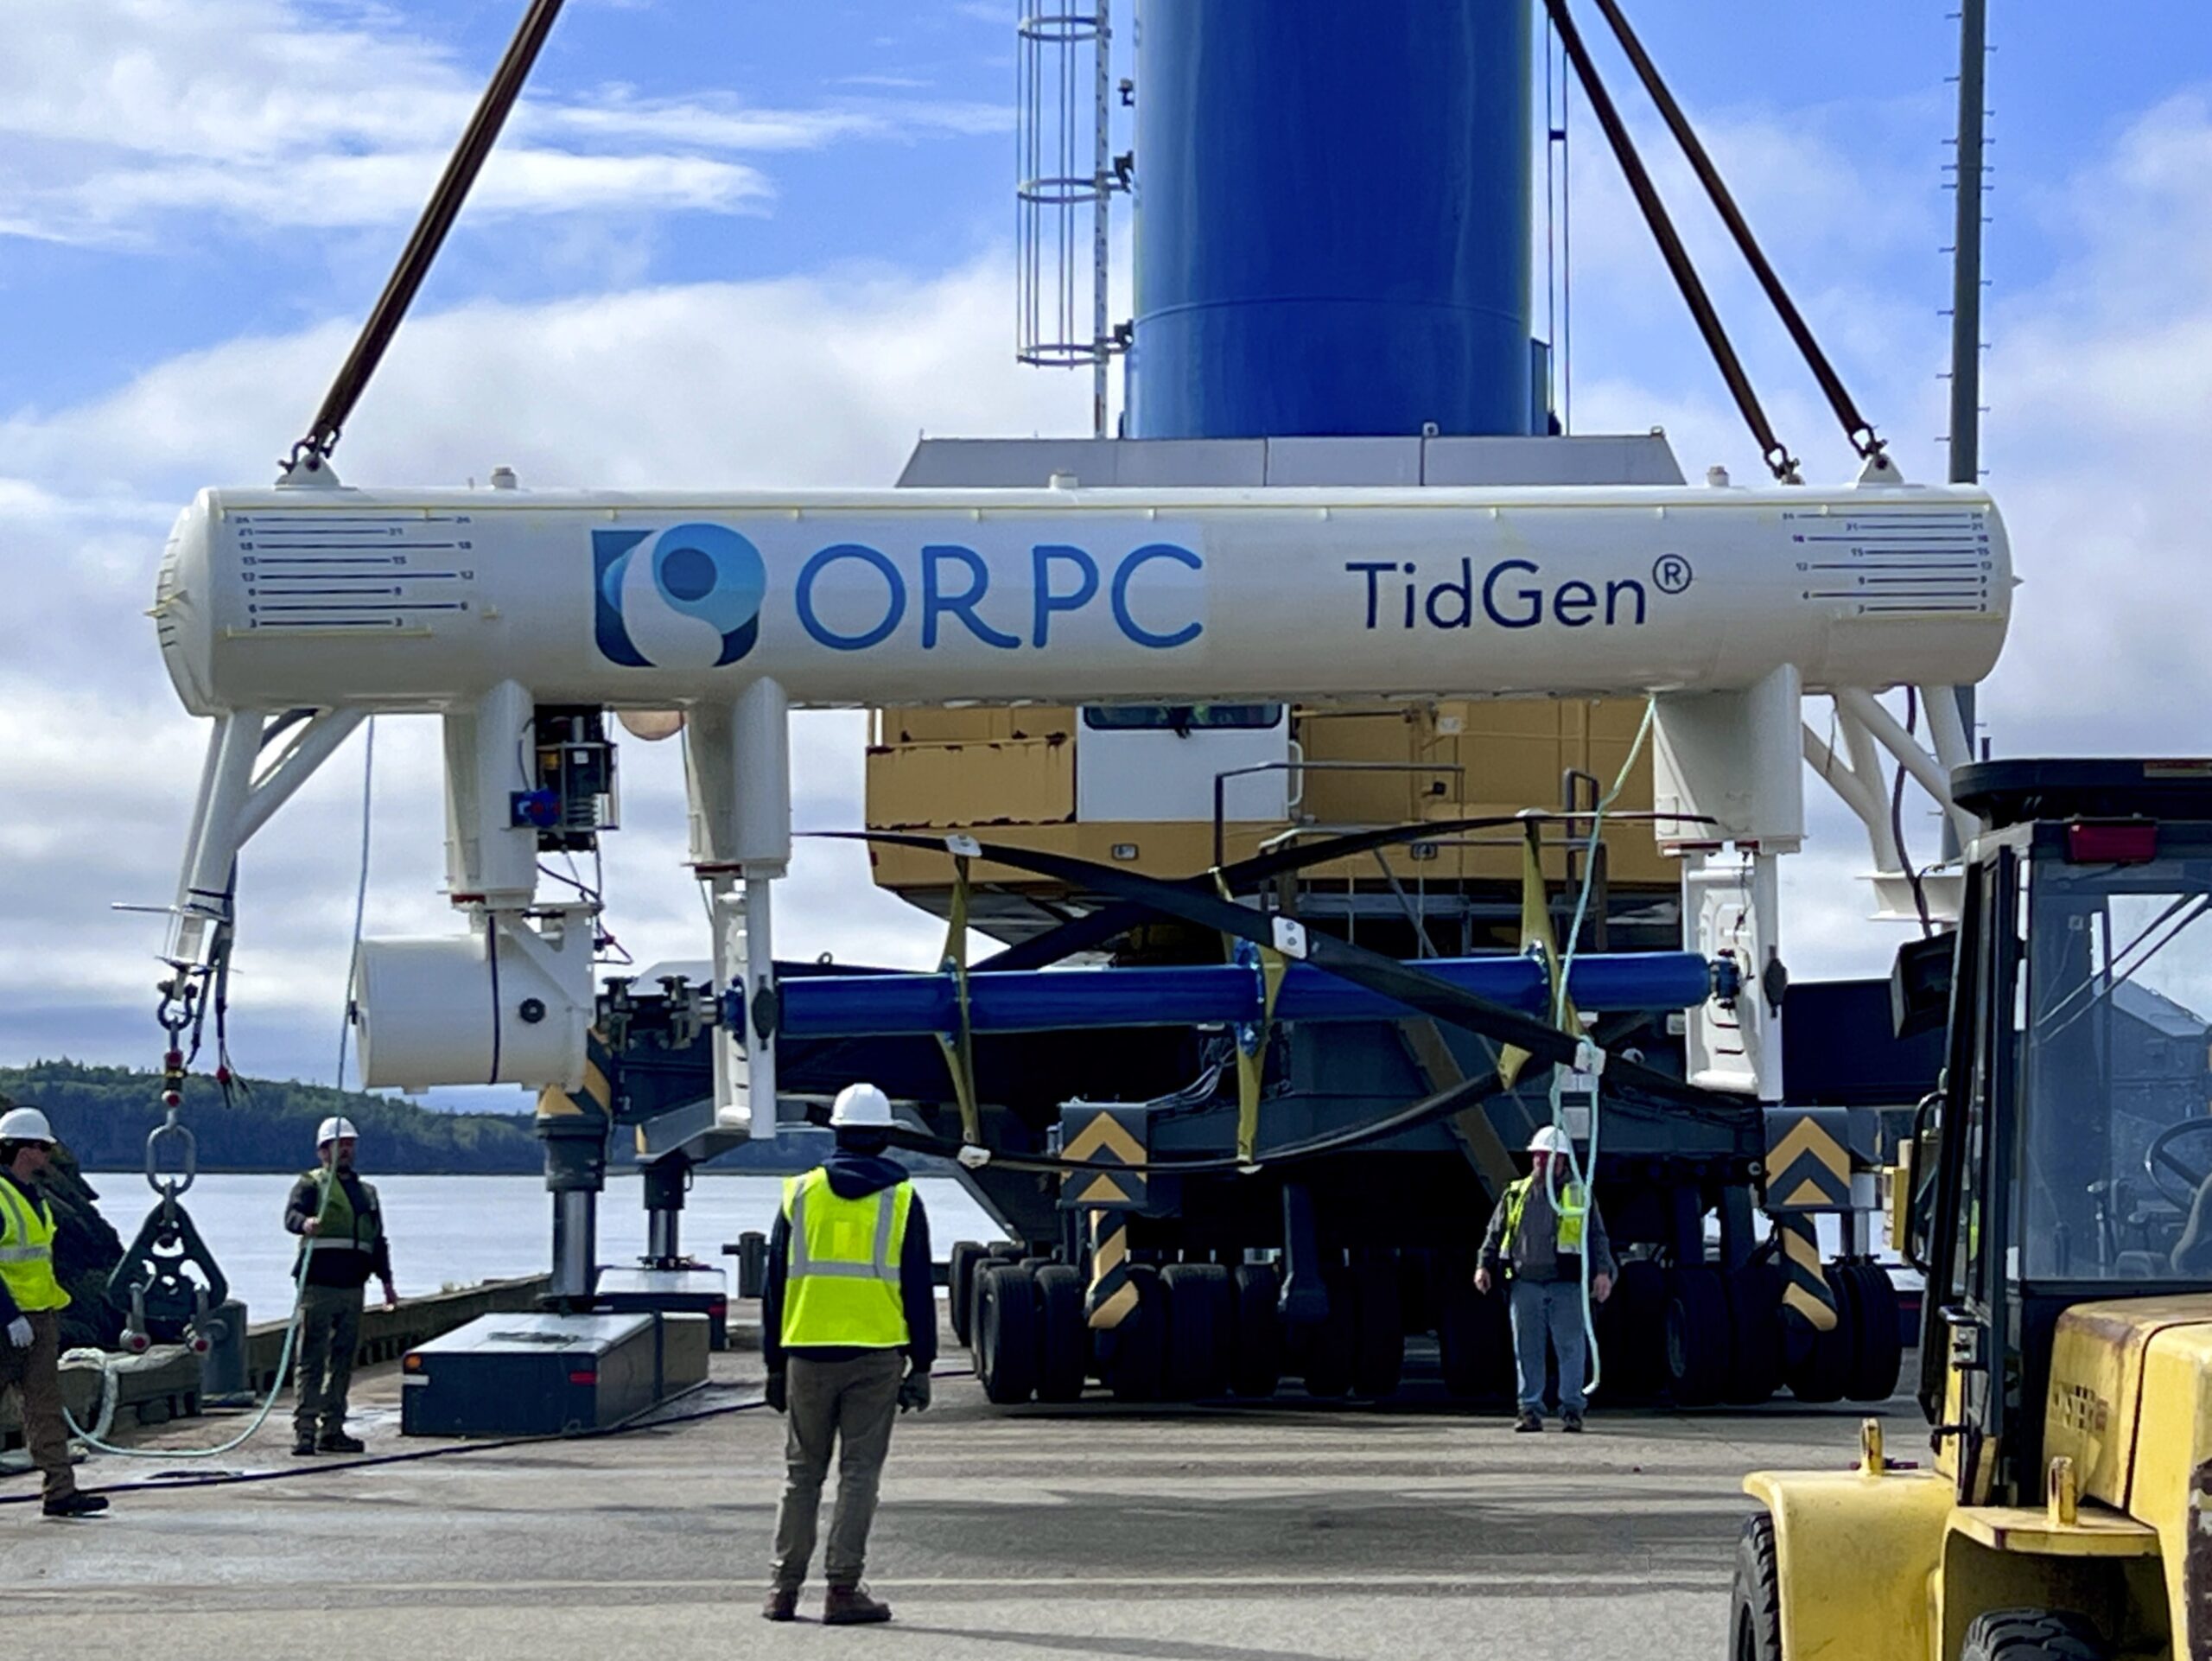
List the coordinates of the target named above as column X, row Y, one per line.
column 1290, row 1530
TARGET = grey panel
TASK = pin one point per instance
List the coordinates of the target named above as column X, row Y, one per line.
column 1030, row 463
column 1343, row 461
column 1180, row 463
column 1608, row 459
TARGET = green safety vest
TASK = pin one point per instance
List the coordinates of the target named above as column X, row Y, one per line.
column 27, row 1252
column 341, row 1228
column 1573, row 1206
column 842, row 1287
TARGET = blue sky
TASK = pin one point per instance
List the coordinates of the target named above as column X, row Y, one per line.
column 752, row 243
column 918, row 178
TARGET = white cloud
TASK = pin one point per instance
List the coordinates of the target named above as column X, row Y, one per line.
column 116, row 115
column 818, row 383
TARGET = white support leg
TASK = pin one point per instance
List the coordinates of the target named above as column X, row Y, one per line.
column 1946, row 727
column 739, row 766
column 1924, row 768
column 1866, row 767
column 490, row 861
column 203, row 885
column 315, row 743
column 757, row 943
column 1732, row 908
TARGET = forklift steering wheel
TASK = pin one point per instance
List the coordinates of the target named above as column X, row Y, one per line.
column 2166, row 1169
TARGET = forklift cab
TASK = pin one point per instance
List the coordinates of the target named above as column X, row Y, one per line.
column 2072, row 1161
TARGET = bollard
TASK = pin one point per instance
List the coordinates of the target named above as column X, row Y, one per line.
column 750, row 1251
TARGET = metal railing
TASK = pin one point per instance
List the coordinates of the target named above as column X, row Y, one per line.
column 1303, row 765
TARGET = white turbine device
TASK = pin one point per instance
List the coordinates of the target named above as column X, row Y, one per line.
column 492, row 609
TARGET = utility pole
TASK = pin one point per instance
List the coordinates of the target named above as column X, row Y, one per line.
column 1965, row 296
column 1966, row 250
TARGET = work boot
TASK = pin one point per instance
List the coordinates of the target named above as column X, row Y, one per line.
column 1571, row 1422
column 850, row 1606
column 76, row 1504
column 337, row 1441
column 1529, row 1421
column 782, row 1604
column 303, row 1444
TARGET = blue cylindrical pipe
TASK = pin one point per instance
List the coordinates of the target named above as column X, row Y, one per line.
column 1333, row 218
column 855, row 1006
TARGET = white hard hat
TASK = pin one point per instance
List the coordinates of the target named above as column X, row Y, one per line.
column 1547, row 1140
column 25, row 1124
column 861, row 1107
column 332, row 1130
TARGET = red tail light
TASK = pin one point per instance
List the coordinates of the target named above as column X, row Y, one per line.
column 2127, row 842
column 585, row 1376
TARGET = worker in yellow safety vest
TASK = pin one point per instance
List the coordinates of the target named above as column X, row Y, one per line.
column 31, row 1302
column 1543, row 1226
column 848, row 1331
column 340, row 1224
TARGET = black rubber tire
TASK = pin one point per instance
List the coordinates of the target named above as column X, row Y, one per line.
column 1632, row 1333
column 1756, row 1336
column 1325, row 1351
column 1825, row 1372
column 1378, row 1356
column 1878, row 1349
column 1700, row 1346
column 1201, row 1317
column 1133, row 1358
column 1474, row 1341
column 1006, row 1333
column 2033, row 1635
column 960, row 1285
column 1755, row 1601
column 1007, row 1251
column 1255, row 1354
column 1063, row 1339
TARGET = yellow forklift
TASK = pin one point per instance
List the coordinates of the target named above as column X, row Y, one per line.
column 2057, row 1197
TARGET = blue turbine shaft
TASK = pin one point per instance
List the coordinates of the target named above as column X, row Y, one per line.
column 1016, row 1001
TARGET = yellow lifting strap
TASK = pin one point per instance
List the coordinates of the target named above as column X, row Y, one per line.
column 960, row 1048
column 1251, row 1068
column 1536, row 940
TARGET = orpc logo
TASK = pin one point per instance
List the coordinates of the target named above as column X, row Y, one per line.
column 692, row 599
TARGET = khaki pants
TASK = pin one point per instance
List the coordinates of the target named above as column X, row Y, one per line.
column 330, row 1332
column 38, row 1370
column 849, row 1404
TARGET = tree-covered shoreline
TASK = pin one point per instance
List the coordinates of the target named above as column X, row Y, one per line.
column 103, row 1115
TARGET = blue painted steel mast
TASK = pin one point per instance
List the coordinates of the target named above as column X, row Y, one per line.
column 1332, row 218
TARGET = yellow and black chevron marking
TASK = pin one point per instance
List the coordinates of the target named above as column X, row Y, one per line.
column 1808, row 1160
column 595, row 1098
column 1113, row 1295
column 1806, row 1292
column 1097, row 1134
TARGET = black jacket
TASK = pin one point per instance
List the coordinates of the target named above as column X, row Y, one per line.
column 855, row 1176
column 347, row 1269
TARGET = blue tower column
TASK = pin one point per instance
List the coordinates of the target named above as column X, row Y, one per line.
column 1333, row 218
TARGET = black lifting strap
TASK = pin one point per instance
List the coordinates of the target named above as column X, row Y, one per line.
column 1095, row 928
column 1859, row 430
column 1418, row 990
column 438, row 216
column 1777, row 457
